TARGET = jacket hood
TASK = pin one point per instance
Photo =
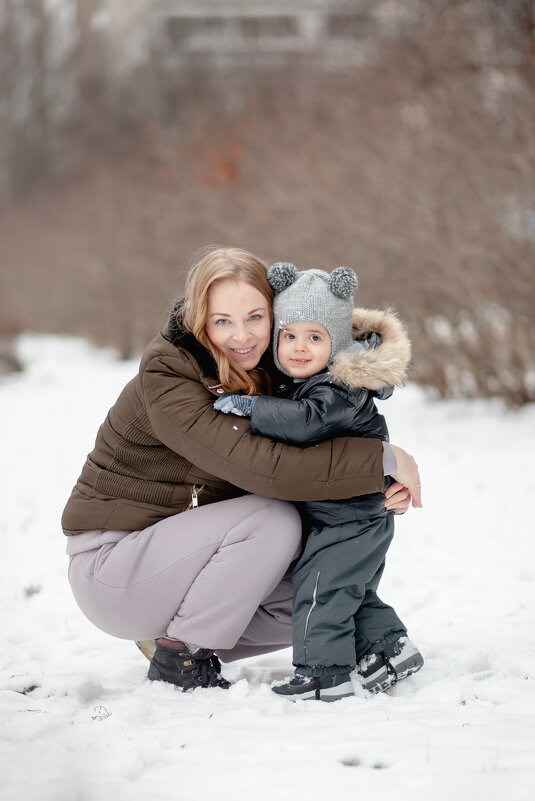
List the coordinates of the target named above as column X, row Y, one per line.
column 375, row 368
column 182, row 338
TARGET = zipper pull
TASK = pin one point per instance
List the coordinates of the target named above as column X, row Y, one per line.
column 194, row 497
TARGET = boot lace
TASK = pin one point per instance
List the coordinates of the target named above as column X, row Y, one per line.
column 206, row 671
column 390, row 669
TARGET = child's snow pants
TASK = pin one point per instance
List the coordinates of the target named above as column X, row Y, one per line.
column 338, row 615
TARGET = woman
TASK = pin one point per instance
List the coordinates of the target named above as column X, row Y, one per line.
column 163, row 542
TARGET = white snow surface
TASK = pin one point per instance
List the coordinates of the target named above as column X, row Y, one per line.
column 79, row 720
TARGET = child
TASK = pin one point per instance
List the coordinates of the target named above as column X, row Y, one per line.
column 338, row 619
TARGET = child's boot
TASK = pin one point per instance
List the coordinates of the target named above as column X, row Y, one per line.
column 319, row 688
column 378, row 672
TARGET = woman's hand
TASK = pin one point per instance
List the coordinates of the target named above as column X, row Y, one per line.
column 398, row 498
column 407, row 475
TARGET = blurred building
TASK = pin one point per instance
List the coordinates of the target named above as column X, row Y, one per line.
column 71, row 59
column 396, row 135
column 259, row 33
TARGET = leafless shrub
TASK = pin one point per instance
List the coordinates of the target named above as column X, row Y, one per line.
column 415, row 167
column 9, row 361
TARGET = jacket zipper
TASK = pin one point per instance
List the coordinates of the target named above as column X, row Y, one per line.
column 311, row 608
column 195, row 492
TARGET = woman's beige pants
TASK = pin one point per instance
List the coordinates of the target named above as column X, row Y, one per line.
column 215, row 577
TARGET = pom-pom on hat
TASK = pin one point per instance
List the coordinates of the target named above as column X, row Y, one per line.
column 313, row 296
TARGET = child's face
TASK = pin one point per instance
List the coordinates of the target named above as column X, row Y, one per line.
column 304, row 348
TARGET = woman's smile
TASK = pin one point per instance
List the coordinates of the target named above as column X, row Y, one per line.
column 238, row 322
column 243, row 354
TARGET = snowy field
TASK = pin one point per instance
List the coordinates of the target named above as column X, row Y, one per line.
column 80, row 723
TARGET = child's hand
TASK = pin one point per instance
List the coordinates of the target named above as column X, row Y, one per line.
column 241, row 405
column 369, row 342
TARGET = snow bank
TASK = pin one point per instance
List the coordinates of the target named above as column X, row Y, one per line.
column 80, row 722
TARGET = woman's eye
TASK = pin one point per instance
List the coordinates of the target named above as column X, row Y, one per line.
column 222, row 321
column 255, row 317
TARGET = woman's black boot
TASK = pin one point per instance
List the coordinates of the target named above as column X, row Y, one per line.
column 177, row 665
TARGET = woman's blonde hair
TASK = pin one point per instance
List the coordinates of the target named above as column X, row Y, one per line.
column 209, row 265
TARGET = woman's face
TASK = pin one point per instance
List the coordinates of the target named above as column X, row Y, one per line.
column 238, row 322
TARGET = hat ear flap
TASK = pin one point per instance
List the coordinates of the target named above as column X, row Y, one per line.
column 343, row 282
column 281, row 275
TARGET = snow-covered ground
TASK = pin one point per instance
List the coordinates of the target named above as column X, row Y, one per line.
column 79, row 722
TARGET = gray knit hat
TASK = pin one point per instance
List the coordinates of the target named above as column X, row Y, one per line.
column 313, row 296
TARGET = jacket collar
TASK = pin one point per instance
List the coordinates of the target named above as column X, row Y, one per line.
column 182, row 338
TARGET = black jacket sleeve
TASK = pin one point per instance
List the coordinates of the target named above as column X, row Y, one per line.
column 327, row 412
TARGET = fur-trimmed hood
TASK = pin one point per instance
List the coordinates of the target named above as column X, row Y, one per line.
column 375, row 368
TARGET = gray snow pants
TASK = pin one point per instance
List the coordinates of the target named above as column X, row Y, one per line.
column 215, row 576
column 338, row 615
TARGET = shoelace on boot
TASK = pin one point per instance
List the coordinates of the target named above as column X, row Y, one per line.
column 206, row 671
column 390, row 668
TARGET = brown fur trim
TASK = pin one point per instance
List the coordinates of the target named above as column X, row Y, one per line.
column 384, row 366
